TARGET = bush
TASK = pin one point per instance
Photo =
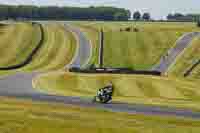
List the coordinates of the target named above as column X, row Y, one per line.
column 136, row 30
column 198, row 23
column 128, row 29
column 3, row 25
column 92, row 66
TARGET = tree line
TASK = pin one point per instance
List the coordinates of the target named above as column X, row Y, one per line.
column 63, row 13
column 183, row 17
column 29, row 12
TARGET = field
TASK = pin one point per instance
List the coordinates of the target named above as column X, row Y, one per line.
column 138, row 50
column 161, row 91
column 187, row 59
column 18, row 116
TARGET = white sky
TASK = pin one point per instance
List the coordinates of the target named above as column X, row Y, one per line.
column 158, row 8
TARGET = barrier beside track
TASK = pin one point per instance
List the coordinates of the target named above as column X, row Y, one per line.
column 114, row 71
column 189, row 71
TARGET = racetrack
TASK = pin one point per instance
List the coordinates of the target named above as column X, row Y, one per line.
column 20, row 86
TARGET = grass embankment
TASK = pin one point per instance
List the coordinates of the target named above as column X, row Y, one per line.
column 57, row 50
column 196, row 72
column 139, row 50
column 17, row 116
column 93, row 35
column 187, row 59
column 17, row 42
column 128, row 88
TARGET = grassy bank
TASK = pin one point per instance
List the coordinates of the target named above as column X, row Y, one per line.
column 57, row 50
column 18, row 116
column 128, row 88
column 17, row 42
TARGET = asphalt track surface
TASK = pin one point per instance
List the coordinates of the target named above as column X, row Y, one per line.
column 84, row 50
column 20, row 86
column 168, row 59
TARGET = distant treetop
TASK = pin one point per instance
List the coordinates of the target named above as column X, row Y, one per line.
column 146, row 16
column 137, row 15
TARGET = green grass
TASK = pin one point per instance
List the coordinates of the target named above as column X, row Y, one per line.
column 17, row 116
column 175, row 92
column 57, row 50
column 17, row 42
column 187, row 59
column 138, row 50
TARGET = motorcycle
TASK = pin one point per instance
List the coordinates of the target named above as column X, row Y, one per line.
column 104, row 95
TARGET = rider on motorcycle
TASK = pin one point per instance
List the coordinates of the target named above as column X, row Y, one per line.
column 104, row 95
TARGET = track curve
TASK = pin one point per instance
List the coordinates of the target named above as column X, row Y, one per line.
column 84, row 50
column 167, row 60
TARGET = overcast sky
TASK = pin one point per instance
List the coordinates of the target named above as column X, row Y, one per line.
column 158, row 8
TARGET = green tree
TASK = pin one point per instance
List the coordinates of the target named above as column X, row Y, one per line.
column 146, row 16
column 137, row 15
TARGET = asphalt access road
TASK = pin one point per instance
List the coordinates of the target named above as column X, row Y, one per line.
column 168, row 59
